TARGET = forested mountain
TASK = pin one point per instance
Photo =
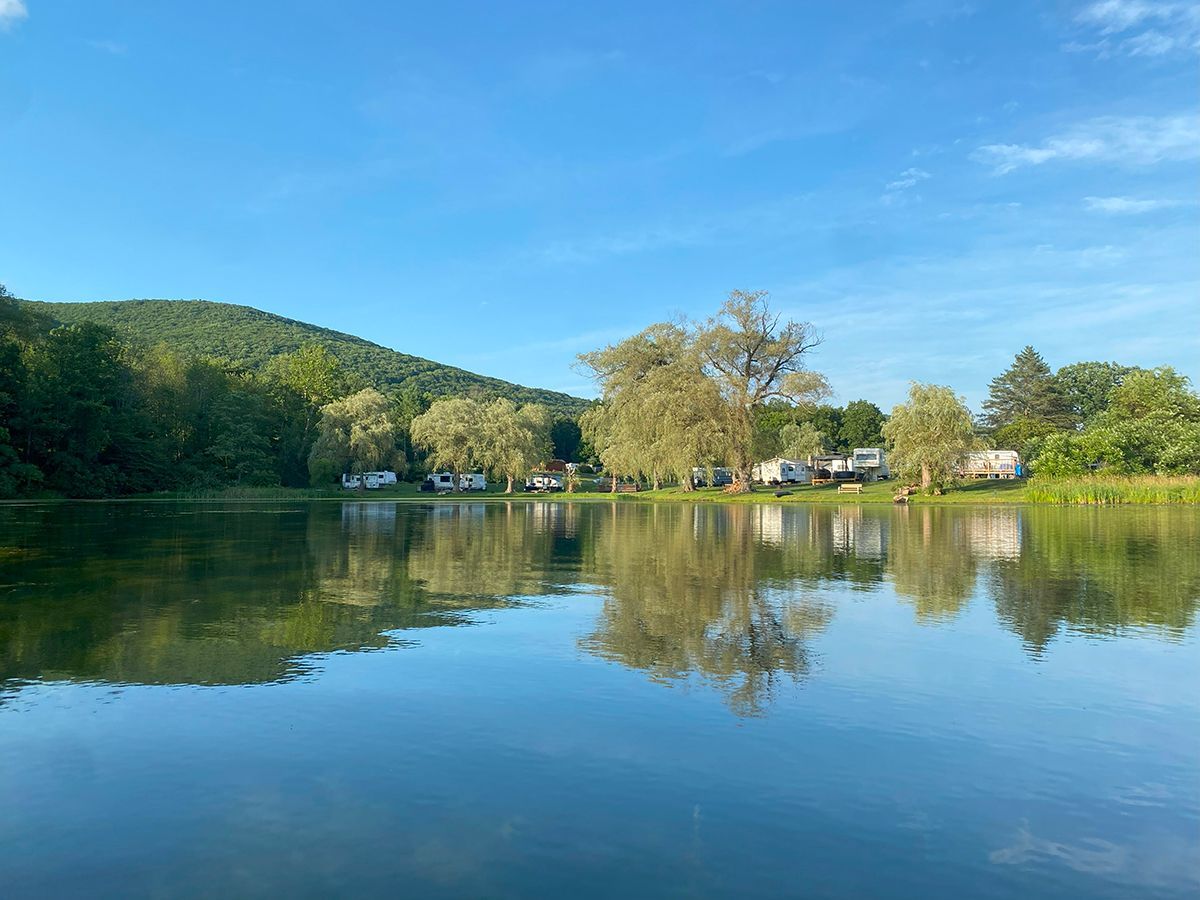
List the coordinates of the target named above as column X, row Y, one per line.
column 250, row 337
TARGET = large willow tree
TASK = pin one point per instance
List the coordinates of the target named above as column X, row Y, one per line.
column 683, row 395
column 930, row 435
column 659, row 416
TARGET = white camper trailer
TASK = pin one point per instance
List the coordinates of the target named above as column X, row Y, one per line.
column 438, row 482
column 472, row 481
column 543, row 482
column 870, row 463
column 991, row 464
column 351, row 482
column 782, row 471
column 382, row 477
column 371, row 481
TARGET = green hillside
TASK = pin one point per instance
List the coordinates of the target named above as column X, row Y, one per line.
column 250, row 337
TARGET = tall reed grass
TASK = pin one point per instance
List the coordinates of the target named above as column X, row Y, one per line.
column 1104, row 490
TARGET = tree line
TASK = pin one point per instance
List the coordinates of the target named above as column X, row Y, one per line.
column 736, row 389
column 83, row 413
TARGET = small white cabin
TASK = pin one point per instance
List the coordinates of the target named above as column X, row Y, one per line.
column 782, row 471
column 472, row 481
column 991, row 464
column 870, row 463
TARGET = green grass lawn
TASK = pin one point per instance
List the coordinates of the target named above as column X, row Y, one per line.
column 879, row 492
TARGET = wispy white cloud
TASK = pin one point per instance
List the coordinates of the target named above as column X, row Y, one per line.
column 105, row 46
column 1123, row 205
column 11, row 12
column 1130, row 140
column 897, row 190
column 1146, row 28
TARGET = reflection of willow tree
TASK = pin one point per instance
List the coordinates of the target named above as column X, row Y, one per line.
column 492, row 550
column 188, row 595
column 1097, row 571
column 931, row 561
column 691, row 591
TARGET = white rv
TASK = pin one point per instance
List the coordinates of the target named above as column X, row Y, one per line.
column 382, row 477
column 438, row 482
column 991, row 464
column 472, row 481
column 543, row 482
column 371, row 481
column 351, row 482
column 782, row 471
column 870, row 463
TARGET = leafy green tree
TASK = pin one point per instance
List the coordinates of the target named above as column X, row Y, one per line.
column 753, row 356
column 566, row 435
column 449, row 431
column 930, row 435
column 801, row 441
column 1027, row 390
column 660, row 415
column 1152, row 424
column 511, row 441
column 1061, row 455
column 356, row 433
column 862, row 425
column 1085, row 386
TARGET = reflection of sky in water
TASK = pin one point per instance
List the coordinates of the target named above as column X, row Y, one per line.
column 666, row 700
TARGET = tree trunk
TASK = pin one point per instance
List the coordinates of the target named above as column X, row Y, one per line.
column 509, row 489
column 926, row 476
column 612, row 488
column 743, row 480
column 656, row 481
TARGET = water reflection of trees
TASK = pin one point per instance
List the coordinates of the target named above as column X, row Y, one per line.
column 730, row 594
column 691, row 589
column 191, row 594
column 1097, row 571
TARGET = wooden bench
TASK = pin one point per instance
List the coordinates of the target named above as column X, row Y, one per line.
column 850, row 488
column 628, row 488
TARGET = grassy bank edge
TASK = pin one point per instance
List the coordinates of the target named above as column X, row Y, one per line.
column 1095, row 491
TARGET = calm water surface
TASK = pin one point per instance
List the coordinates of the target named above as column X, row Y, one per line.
column 595, row 700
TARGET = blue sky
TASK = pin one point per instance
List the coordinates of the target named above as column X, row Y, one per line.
column 501, row 186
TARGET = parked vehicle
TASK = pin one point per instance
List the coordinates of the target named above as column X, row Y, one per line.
column 543, row 482
column 438, row 482
column 870, row 463
column 720, row 476
column 351, row 482
column 371, row 481
column 782, row 471
column 382, row 477
column 472, row 481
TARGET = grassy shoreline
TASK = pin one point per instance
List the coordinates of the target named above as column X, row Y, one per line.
column 1095, row 491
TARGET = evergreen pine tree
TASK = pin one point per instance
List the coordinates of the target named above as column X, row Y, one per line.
column 1026, row 392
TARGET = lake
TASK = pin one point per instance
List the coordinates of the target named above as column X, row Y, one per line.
column 598, row 700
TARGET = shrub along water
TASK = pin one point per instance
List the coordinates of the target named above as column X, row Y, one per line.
column 1109, row 490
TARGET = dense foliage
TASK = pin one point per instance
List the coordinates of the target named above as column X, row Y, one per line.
column 502, row 439
column 84, row 413
column 683, row 395
column 250, row 339
column 1095, row 417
